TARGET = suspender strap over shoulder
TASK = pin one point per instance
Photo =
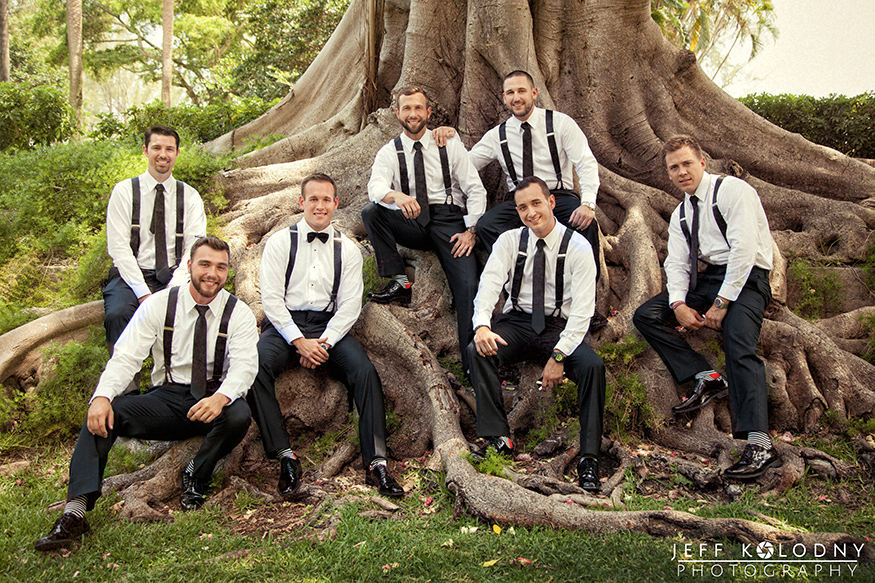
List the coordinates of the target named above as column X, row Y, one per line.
column 560, row 271
column 338, row 265
column 222, row 338
column 715, row 210
column 554, row 150
column 135, row 215
column 522, row 255
column 169, row 321
column 518, row 268
column 402, row 165
column 505, row 152
column 180, row 221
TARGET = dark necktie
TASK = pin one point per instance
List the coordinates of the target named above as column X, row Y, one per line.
column 421, row 188
column 162, row 271
column 314, row 235
column 199, row 355
column 538, row 270
column 528, row 164
column 694, row 245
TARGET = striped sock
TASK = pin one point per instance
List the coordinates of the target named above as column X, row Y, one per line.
column 190, row 467
column 286, row 453
column 76, row 506
column 402, row 279
column 759, row 438
column 377, row 461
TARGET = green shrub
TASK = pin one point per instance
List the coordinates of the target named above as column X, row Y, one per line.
column 34, row 116
column 846, row 124
column 819, row 290
column 198, row 124
column 57, row 408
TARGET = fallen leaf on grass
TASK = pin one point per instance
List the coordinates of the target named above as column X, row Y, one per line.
column 496, row 529
column 489, row 563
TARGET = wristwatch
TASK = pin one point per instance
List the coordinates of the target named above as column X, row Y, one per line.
column 472, row 229
column 558, row 356
column 589, row 204
column 720, row 303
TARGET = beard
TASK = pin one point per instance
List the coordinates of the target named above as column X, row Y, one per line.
column 196, row 282
column 413, row 128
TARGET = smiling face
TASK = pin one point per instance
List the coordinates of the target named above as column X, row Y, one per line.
column 685, row 169
column 209, row 270
column 161, row 151
column 413, row 113
column 536, row 209
column 519, row 96
column 319, row 201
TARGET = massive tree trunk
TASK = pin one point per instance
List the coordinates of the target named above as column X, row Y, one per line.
column 606, row 64
column 4, row 40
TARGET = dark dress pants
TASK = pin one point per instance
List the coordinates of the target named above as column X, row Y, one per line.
column 504, row 217
column 387, row 228
column 120, row 302
column 159, row 414
column 745, row 371
column 583, row 366
column 347, row 362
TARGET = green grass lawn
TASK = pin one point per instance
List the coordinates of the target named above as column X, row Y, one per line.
column 421, row 542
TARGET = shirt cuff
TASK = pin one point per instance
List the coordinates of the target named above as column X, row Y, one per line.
column 471, row 220
column 141, row 289
column 730, row 292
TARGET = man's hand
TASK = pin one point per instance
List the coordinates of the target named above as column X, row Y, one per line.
column 408, row 205
column 100, row 416
column 487, row 341
column 552, row 374
column 464, row 243
column 208, row 408
column 582, row 217
column 714, row 317
column 143, row 299
column 688, row 317
column 442, row 134
column 311, row 351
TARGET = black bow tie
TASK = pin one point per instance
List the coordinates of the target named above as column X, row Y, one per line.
column 314, row 235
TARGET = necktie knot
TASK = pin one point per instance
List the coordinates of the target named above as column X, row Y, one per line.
column 159, row 188
column 417, row 145
column 527, row 127
column 202, row 310
column 541, row 244
column 314, row 235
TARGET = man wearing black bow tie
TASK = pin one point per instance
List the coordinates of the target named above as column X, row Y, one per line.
column 151, row 222
column 311, row 289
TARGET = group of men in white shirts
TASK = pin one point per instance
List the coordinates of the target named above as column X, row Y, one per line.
column 213, row 372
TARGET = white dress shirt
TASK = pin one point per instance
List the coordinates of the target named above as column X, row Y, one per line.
column 570, row 142
column 468, row 191
column 118, row 230
column 750, row 241
column 578, row 299
column 145, row 332
column 311, row 282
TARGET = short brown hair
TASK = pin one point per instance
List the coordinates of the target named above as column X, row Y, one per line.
column 161, row 131
column 411, row 90
column 318, row 177
column 679, row 141
column 213, row 243
column 534, row 180
column 518, row 73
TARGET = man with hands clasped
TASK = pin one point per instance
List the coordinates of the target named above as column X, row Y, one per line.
column 549, row 274
column 720, row 222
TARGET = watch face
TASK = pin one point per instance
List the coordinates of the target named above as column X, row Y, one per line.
column 558, row 356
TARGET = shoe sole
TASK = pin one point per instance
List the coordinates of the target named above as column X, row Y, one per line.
column 399, row 301
column 756, row 475
column 716, row 396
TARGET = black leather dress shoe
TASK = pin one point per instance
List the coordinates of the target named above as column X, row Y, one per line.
column 290, row 476
column 66, row 530
column 193, row 492
column 754, row 462
column 597, row 322
column 497, row 445
column 392, row 292
column 588, row 475
column 380, row 477
column 709, row 387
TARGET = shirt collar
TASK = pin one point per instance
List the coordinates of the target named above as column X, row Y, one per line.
column 553, row 238
column 148, row 182
column 534, row 119
column 304, row 228
column 188, row 303
column 426, row 140
column 703, row 188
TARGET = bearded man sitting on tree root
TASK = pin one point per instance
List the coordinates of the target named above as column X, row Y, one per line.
column 730, row 234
